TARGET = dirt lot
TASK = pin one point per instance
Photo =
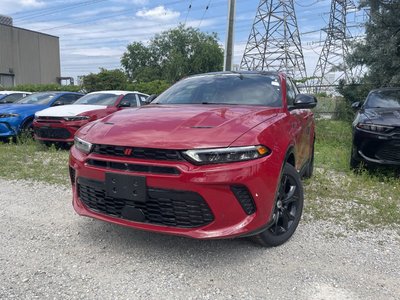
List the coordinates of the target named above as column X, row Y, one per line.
column 47, row 251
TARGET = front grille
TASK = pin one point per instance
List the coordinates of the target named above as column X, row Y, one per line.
column 133, row 167
column 163, row 207
column 244, row 197
column 49, row 119
column 389, row 152
column 52, row 133
column 140, row 153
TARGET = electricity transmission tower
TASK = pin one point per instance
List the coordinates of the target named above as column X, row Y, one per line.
column 335, row 48
column 274, row 41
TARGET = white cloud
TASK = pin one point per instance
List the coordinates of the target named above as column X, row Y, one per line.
column 13, row 6
column 99, row 52
column 94, row 12
column 31, row 3
column 158, row 13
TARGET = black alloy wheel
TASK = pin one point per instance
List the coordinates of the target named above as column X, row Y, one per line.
column 287, row 210
column 354, row 162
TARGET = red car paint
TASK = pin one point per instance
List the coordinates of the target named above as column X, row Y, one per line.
column 59, row 123
column 183, row 127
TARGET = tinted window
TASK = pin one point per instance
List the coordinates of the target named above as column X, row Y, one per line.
column 131, row 98
column 67, row 99
column 98, row 99
column 244, row 89
column 384, row 99
column 11, row 98
column 38, row 98
column 142, row 99
column 291, row 92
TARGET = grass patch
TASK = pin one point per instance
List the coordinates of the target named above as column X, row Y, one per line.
column 356, row 200
column 30, row 160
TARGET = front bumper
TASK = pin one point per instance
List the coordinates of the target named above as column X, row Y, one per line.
column 56, row 130
column 213, row 184
column 377, row 148
column 10, row 126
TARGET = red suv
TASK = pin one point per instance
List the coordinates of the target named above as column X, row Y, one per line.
column 216, row 155
column 59, row 124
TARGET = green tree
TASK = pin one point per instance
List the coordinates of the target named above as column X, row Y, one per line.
column 173, row 54
column 105, row 80
column 380, row 51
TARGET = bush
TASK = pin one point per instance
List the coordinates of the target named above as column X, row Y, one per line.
column 44, row 88
column 151, row 87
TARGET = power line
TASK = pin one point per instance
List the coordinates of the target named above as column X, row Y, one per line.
column 187, row 14
column 205, row 11
column 56, row 10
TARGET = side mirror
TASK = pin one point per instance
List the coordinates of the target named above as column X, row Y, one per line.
column 150, row 98
column 304, row 101
column 57, row 103
column 356, row 105
column 125, row 103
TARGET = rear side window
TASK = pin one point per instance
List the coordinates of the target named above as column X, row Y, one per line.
column 131, row 98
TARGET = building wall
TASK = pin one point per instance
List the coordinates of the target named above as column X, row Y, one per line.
column 32, row 57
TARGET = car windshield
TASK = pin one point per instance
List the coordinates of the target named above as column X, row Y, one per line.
column 383, row 99
column 10, row 98
column 242, row 89
column 38, row 98
column 98, row 99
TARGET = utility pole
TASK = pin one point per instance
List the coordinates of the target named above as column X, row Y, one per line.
column 228, row 57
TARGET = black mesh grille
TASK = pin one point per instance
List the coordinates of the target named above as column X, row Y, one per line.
column 244, row 197
column 52, row 133
column 50, row 119
column 133, row 167
column 163, row 207
column 389, row 152
column 141, row 153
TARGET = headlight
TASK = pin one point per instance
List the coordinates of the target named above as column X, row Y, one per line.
column 9, row 115
column 374, row 128
column 76, row 118
column 82, row 145
column 225, row 155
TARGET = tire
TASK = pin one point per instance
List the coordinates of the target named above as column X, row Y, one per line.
column 287, row 209
column 354, row 162
column 27, row 129
column 310, row 166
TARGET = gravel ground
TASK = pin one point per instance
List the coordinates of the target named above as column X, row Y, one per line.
column 47, row 251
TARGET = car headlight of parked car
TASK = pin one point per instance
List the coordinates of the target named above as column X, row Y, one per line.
column 375, row 128
column 9, row 115
column 225, row 155
column 82, row 145
column 77, row 118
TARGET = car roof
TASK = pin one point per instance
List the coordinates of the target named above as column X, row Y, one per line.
column 115, row 92
column 58, row 92
column 243, row 72
column 13, row 92
column 385, row 89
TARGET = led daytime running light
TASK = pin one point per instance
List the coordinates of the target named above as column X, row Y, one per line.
column 225, row 155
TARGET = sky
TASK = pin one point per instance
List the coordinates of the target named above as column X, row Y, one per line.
column 94, row 33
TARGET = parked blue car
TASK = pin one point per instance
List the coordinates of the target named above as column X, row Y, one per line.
column 18, row 117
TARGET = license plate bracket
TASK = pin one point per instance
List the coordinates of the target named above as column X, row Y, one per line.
column 126, row 187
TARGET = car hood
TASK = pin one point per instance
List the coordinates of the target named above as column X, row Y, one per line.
column 382, row 116
column 24, row 109
column 68, row 110
column 176, row 126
